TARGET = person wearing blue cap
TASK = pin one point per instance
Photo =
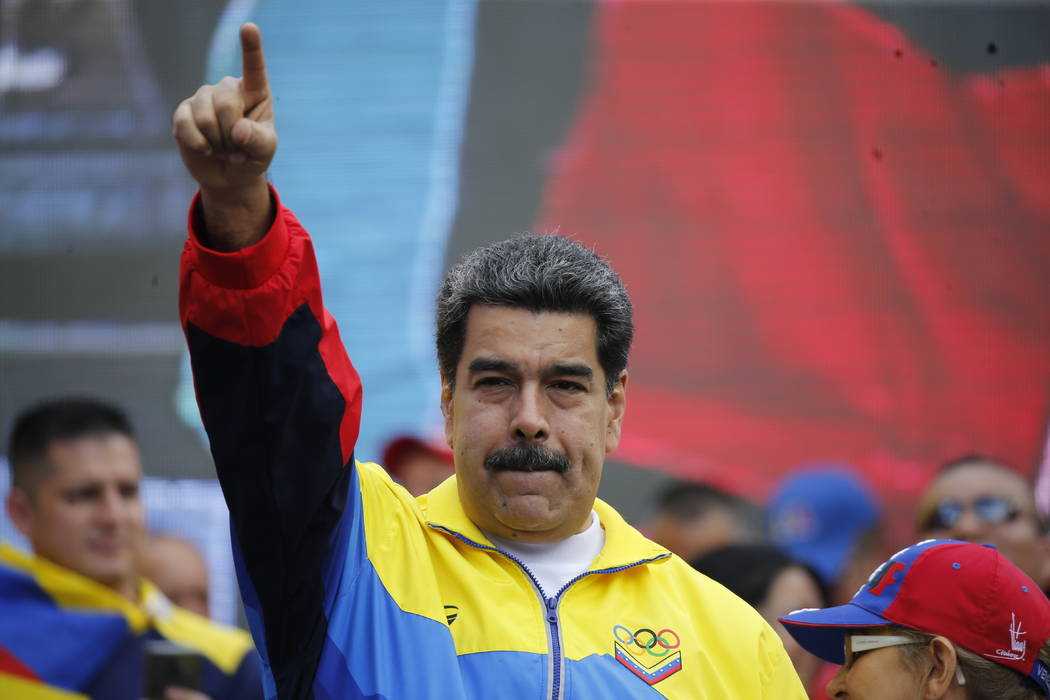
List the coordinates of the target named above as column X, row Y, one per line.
column 825, row 516
column 940, row 619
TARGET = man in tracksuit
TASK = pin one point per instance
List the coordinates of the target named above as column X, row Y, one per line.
column 509, row 580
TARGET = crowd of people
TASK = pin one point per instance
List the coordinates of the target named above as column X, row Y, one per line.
column 820, row 539
column 74, row 495
column 492, row 570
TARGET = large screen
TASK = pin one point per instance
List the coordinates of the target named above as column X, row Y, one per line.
column 833, row 218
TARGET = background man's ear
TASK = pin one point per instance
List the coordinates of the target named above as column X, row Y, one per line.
column 19, row 510
column 1044, row 571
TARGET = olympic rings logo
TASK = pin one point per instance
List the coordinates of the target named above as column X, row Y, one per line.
column 646, row 639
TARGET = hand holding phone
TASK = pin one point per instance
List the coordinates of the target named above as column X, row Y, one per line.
column 171, row 665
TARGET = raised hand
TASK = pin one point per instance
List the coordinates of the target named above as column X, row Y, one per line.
column 226, row 138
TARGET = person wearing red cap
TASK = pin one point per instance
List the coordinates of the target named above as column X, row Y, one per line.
column 939, row 619
column 416, row 464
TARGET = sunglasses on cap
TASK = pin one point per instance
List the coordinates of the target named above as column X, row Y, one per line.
column 993, row 510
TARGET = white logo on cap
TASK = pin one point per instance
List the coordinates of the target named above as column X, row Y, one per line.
column 1017, row 645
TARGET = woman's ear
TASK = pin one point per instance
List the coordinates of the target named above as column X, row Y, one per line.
column 939, row 677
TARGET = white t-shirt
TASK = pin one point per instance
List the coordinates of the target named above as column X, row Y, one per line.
column 556, row 563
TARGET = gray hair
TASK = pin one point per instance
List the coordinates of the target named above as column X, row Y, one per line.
column 985, row 679
column 537, row 273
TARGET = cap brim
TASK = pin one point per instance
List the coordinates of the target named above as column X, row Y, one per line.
column 820, row 632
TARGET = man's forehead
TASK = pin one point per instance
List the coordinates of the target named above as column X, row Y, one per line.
column 979, row 478
column 108, row 455
column 524, row 329
column 970, row 481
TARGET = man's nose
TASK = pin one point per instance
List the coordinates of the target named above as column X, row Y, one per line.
column 836, row 687
column 113, row 508
column 529, row 421
column 970, row 527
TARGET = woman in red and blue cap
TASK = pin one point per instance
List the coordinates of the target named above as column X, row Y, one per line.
column 940, row 619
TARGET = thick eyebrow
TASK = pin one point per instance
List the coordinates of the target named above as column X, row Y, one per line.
column 573, row 370
column 489, row 364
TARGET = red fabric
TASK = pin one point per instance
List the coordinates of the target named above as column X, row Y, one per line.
column 818, row 688
column 835, row 251
column 267, row 282
column 11, row 665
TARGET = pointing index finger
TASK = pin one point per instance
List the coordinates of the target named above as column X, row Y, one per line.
column 253, row 63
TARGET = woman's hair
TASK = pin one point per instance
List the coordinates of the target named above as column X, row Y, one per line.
column 985, row 679
column 749, row 570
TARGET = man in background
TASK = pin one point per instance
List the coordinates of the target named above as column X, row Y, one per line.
column 177, row 568
column 76, row 615
column 418, row 465
column 827, row 517
column 692, row 519
column 979, row 499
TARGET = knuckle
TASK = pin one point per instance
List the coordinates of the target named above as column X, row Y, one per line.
column 206, row 122
column 181, row 114
column 225, row 107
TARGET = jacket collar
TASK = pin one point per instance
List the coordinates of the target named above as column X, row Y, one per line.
column 624, row 545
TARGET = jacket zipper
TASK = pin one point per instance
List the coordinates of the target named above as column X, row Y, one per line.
column 550, row 604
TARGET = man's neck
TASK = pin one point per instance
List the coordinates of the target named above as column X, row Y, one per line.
column 128, row 590
column 126, row 587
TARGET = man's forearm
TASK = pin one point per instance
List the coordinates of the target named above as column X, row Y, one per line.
column 236, row 220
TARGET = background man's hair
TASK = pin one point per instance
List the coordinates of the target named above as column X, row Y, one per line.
column 59, row 420
column 537, row 273
column 685, row 500
column 972, row 458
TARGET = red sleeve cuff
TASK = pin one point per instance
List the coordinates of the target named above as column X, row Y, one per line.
column 247, row 268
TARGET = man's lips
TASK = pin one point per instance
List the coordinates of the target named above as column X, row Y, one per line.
column 523, row 483
column 108, row 545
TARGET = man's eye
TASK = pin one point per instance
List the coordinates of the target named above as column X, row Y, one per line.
column 492, row 381
column 568, row 386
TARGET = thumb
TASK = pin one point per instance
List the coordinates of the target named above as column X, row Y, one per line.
column 257, row 141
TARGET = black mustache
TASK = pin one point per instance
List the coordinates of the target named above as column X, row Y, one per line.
column 527, row 457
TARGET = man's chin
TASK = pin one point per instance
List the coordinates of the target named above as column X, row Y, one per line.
column 531, row 517
column 110, row 570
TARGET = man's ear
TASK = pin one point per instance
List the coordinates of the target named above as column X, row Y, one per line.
column 446, row 406
column 941, row 674
column 617, row 407
column 20, row 510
